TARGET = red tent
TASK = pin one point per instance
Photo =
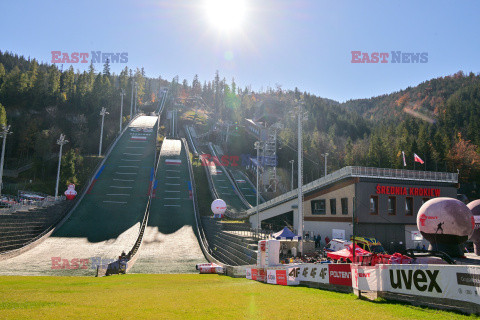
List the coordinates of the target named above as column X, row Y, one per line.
column 347, row 253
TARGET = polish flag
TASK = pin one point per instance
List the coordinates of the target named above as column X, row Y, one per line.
column 173, row 161
column 404, row 162
column 140, row 138
column 416, row 158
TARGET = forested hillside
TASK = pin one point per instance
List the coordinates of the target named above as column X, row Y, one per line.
column 438, row 119
column 42, row 101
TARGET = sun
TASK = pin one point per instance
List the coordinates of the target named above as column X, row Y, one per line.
column 226, row 15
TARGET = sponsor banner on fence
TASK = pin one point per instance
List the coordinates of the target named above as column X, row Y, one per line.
column 254, row 274
column 313, row 273
column 364, row 278
column 261, row 275
column 248, row 273
column 281, row 277
column 340, row 274
column 272, row 276
column 437, row 281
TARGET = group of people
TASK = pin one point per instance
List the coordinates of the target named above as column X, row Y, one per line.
column 317, row 239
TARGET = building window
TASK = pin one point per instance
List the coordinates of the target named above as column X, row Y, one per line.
column 318, row 207
column 409, row 206
column 392, row 206
column 333, row 206
column 344, row 205
column 373, row 205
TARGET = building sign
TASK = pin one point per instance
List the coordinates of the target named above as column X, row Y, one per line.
column 408, row 191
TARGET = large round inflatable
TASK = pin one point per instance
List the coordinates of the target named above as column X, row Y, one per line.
column 446, row 223
column 474, row 206
column 218, row 208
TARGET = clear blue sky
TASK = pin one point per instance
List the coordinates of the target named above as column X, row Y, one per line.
column 305, row 44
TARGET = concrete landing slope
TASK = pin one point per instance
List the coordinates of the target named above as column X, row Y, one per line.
column 107, row 220
column 170, row 244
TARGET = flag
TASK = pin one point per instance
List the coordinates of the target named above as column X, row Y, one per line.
column 404, row 162
column 416, row 158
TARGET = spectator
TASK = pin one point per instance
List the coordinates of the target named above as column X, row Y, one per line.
column 318, row 240
column 327, row 240
column 294, row 252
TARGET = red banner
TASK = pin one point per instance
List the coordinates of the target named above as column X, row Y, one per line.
column 340, row 274
column 282, row 277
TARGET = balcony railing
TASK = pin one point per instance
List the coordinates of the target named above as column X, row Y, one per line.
column 363, row 172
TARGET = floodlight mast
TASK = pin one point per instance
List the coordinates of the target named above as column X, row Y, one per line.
column 300, row 177
column 61, row 141
column 102, row 113
column 122, row 93
column 4, row 134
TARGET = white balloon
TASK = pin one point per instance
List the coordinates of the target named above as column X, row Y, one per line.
column 218, row 206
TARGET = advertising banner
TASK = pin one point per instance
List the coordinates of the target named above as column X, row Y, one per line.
column 248, row 273
column 364, row 278
column 261, row 275
column 340, row 274
column 281, row 277
column 438, row 281
column 313, row 272
column 272, row 276
column 254, row 274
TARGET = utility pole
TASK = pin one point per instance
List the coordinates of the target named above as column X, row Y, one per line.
column 291, row 180
column 257, row 146
column 3, row 133
column 102, row 113
column 131, row 102
column 325, row 155
column 60, row 142
column 122, row 93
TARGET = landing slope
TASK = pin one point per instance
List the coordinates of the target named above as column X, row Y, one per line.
column 170, row 244
column 108, row 218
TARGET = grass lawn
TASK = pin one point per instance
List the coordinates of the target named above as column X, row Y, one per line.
column 191, row 296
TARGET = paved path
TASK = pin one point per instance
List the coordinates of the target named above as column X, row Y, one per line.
column 108, row 218
column 170, row 243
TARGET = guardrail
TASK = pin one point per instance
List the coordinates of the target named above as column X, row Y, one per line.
column 361, row 172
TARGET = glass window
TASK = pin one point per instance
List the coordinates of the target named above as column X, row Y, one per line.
column 318, row 206
column 392, row 205
column 333, row 206
column 344, row 205
column 409, row 206
column 373, row 205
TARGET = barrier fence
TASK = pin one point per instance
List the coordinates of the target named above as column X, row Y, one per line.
column 441, row 286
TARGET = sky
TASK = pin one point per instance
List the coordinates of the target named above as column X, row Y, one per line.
column 306, row 44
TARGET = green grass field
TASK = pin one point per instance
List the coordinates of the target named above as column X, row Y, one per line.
column 188, row 296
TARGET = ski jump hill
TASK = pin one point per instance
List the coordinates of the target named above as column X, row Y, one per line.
column 106, row 219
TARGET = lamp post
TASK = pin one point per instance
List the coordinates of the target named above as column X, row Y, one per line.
column 257, row 146
column 300, row 176
column 291, row 180
column 60, row 142
column 131, row 101
column 122, row 93
column 3, row 133
column 325, row 155
column 102, row 113
column 135, row 98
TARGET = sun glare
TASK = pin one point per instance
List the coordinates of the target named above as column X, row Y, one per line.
column 226, row 15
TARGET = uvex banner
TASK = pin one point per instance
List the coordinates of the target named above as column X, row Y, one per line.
column 452, row 282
